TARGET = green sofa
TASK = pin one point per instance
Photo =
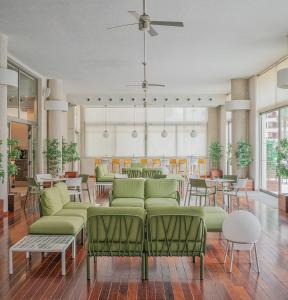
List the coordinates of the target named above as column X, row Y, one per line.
column 102, row 174
column 144, row 193
column 59, row 214
column 122, row 231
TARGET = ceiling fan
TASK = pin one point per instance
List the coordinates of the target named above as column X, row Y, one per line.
column 145, row 23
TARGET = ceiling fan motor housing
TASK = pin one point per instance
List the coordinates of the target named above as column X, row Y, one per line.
column 144, row 84
column 144, row 22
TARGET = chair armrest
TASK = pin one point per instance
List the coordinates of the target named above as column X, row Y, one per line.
column 178, row 198
column 110, row 197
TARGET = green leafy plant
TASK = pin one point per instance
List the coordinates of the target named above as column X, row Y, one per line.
column 69, row 153
column 243, row 154
column 53, row 155
column 215, row 154
column 282, row 158
column 13, row 153
column 229, row 154
column 2, row 174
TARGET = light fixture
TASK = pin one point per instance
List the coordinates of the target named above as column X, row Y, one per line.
column 105, row 132
column 134, row 132
column 193, row 133
column 164, row 133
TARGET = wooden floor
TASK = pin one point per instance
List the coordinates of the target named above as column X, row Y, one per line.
column 169, row 278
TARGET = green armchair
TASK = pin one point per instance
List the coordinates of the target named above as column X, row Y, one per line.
column 151, row 172
column 132, row 172
column 175, row 231
column 102, row 174
column 115, row 231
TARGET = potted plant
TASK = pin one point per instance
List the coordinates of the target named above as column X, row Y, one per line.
column 229, row 158
column 215, row 154
column 53, row 155
column 13, row 153
column 244, row 156
column 282, row 170
column 69, row 154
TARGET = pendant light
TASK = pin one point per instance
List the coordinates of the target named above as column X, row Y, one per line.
column 164, row 133
column 134, row 132
column 282, row 74
column 105, row 132
column 193, row 132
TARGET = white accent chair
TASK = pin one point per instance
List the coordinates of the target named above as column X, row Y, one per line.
column 242, row 230
column 75, row 187
column 44, row 178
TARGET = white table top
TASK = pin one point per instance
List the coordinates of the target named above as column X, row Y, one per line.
column 219, row 180
column 43, row 243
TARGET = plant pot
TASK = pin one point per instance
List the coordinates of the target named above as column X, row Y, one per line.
column 215, row 173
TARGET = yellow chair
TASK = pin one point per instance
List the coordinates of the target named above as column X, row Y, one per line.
column 127, row 162
column 116, row 165
column 98, row 161
column 156, row 162
column 183, row 166
column 201, row 164
column 144, row 161
column 173, row 165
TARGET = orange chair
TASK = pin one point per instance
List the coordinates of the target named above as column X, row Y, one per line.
column 183, row 166
column 156, row 162
column 98, row 161
column 173, row 165
column 202, row 165
column 116, row 165
column 127, row 162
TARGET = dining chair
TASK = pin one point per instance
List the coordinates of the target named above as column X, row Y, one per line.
column 173, row 165
column 85, row 185
column 75, row 187
column 45, row 180
column 240, row 185
column 98, row 161
column 183, row 167
column 202, row 166
column 116, row 165
column 144, row 161
column 127, row 162
column 199, row 188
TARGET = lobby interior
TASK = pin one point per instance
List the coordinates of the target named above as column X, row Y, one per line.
column 143, row 159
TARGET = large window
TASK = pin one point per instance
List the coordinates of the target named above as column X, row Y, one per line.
column 149, row 123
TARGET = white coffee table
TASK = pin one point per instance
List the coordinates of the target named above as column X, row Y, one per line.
column 46, row 244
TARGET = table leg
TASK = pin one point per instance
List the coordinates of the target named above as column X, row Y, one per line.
column 27, row 254
column 63, row 262
column 10, row 262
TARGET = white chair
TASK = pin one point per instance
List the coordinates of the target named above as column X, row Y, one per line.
column 242, row 230
column 42, row 178
column 240, row 185
column 75, row 187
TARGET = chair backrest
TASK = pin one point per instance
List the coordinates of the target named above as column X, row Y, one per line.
column 43, row 177
column 101, row 171
column 127, row 162
column 51, row 201
column 85, row 178
column 63, row 191
column 128, row 188
column 144, row 161
column 241, row 183
column 156, row 161
column 173, row 161
column 175, row 231
column 132, row 172
column 74, row 182
column 70, row 174
column 115, row 161
column 151, row 172
column 160, row 176
column 231, row 177
column 161, row 188
column 98, row 162
column 198, row 183
column 115, row 231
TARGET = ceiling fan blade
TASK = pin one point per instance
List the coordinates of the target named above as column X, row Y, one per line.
column 167, row 23
column 122, row 25
column 154, row 84
column 152, row 31
column 134, row 14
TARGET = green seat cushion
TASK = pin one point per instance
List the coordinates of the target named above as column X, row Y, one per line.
column 76, row 205
column 51, row 201
column 127, row 202
column 57, row 225
column 128, row 188
column 161, row 188
column 102, row 211
column 106, row 178
column 63, row 190
column 152, row 202
column 73, row 212
column 175, row 176
column 214, row 218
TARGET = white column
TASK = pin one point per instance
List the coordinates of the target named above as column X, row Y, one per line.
column 3, row 121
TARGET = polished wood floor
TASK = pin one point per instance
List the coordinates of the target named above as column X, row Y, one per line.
column 169, row 278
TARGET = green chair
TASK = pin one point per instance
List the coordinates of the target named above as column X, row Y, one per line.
column 85, row 179
column 199, row 188
column 162, row 176
column 151, row 172
column 132, row 172
column 102, row 174
column 175, row 231
column 33, row 189
column 115, row 231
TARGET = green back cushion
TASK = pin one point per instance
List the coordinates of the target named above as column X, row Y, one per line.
column 128, row 188
column 51, row 201
column 161, row 188
column 63, row 190
column 175, row 224
column 112, row 229
column 101, row 170
column 138, row 165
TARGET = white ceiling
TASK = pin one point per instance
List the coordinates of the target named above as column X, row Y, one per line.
column 222, row 39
